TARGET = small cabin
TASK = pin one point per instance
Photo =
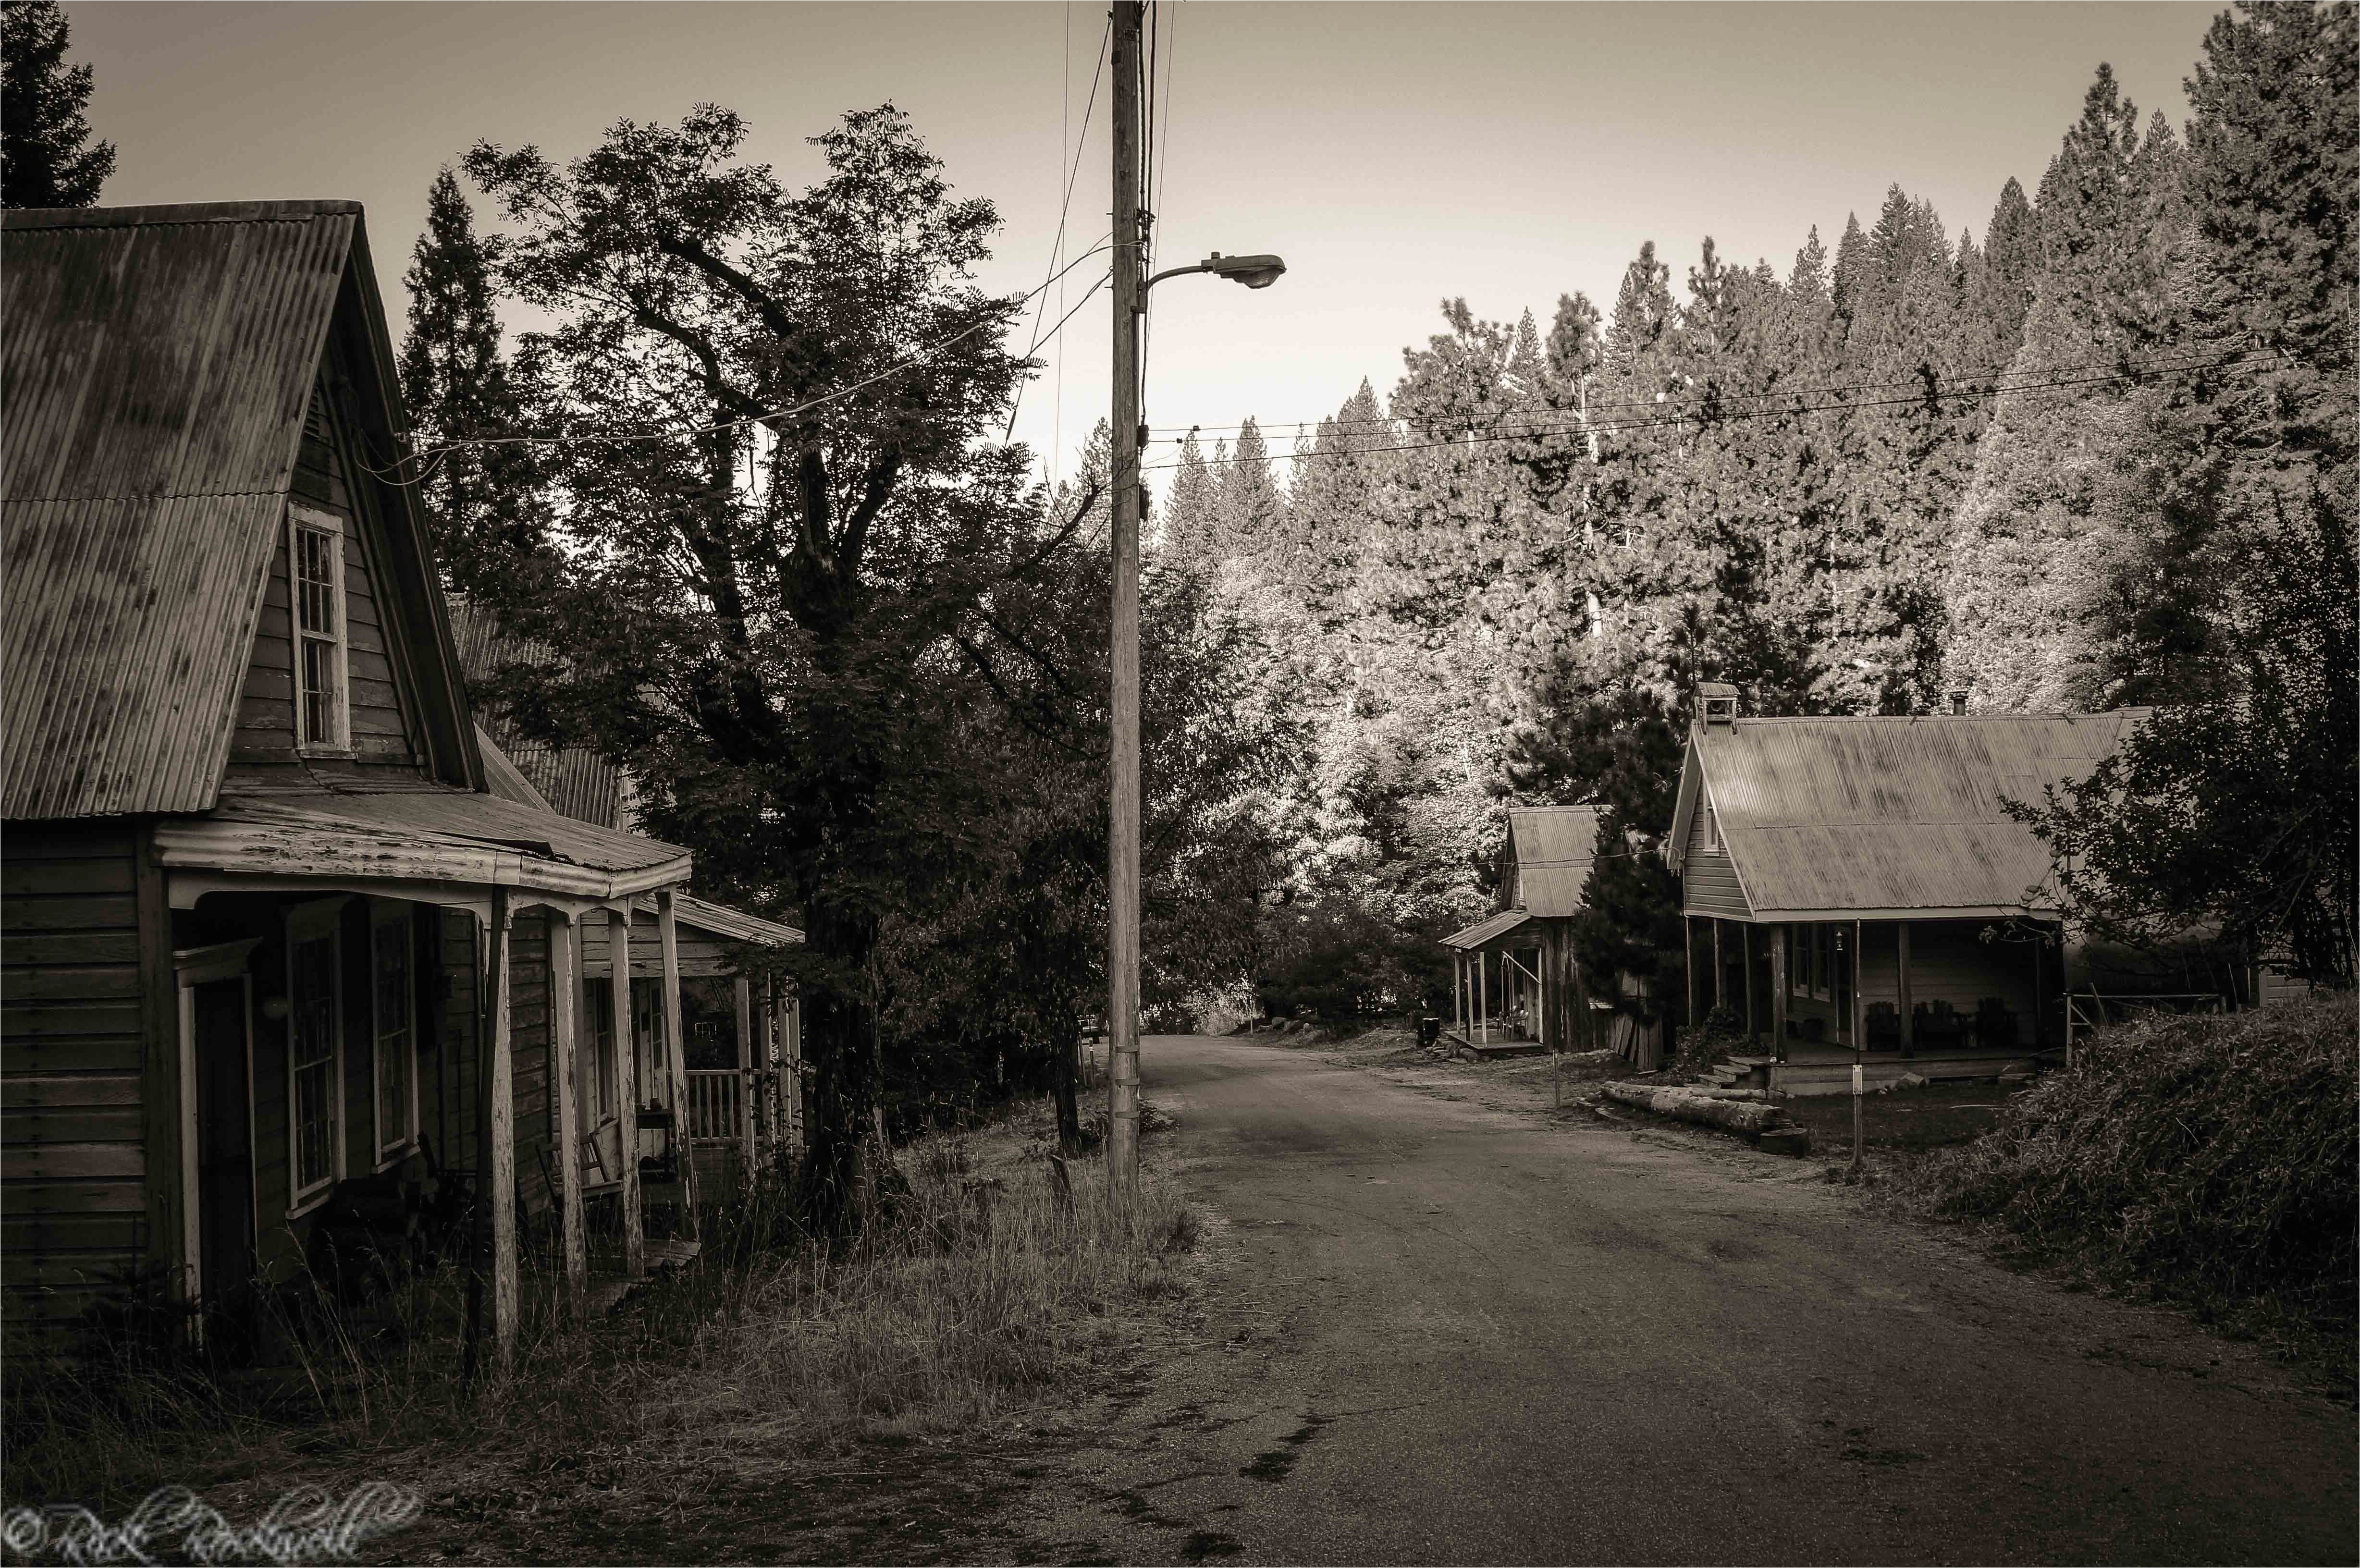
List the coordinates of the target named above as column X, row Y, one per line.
column 1515, row 985
column 286, row 978
column 1854, row 889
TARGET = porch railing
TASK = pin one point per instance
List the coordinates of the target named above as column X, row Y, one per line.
column 717, row 1104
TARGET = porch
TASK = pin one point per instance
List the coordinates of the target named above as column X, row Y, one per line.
column 1940, row 997
column 1515, row 990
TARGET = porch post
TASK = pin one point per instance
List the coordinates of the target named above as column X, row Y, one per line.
column 1901, row 985
column 564, row 1054
column 1720, row 977
column 627, row 1093
column 1483, row 997
column 1859, row 999
column 1696, row 974
column 1745, row 950
column 1458, row 991
column 667, row 933
column 773, row 1037
column 746, row 1064
column 499, row 1166
column 1778, row 940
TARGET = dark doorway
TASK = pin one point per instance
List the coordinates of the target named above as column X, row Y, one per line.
column 225, row 1146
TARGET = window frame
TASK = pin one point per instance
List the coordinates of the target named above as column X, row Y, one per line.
column 389, row 914
column 300, row 517
column 319, row 921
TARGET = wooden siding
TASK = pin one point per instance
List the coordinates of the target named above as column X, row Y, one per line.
column 1948, row 961
column 381, row 726
column 73, row 1206
column 529, row 1017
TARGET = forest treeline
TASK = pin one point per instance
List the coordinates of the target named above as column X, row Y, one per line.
column 2099, row 456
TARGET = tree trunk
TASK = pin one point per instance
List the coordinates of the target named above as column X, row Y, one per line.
column 1065, row 1046
column 839, row 1043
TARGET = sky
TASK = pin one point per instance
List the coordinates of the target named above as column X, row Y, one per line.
column 1397, row 155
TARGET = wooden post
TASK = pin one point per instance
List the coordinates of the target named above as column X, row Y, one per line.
column 1483, row 997
column 564, row 1058
column 746, row 1064
column 790, row 1071
column 773, row 1038
column 1719, row 976
column 1458, row 992
column 627, row 1093
column 1745, row 949
column 667, row 933
column 1696, row 974
column 498, row 1162
column 1901, row 987
column 1123, row 706
column 1780, row 936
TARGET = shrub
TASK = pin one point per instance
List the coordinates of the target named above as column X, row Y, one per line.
column 2211, row 1158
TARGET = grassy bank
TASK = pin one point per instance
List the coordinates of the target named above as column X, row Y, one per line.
column 2207, row 1161
column 988, row 1288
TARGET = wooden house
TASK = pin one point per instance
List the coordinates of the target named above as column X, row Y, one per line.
column 274, row 953
column 1855, row 891
column 741, row 1018
column 1515, row 984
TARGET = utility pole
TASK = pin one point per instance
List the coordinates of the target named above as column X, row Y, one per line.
column 1123, row 818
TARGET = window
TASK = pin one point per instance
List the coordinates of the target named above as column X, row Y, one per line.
column 315, row 573
column 315, row 1051
column 599, row 998
column 393, row 978
column 1711, row 829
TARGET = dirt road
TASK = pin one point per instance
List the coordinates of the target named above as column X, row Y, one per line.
column 1438, row 1331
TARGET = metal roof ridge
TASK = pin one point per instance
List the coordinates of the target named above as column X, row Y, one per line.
column 251, row 211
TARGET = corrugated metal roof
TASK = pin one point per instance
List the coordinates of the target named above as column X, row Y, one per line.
column 573, row 779
column 155, row 366
column 1828, row 816
column 439, row 834
column 502, row 779
column 1486, row 930
column 1553, row 846
column 722, row 920
column 122, row 617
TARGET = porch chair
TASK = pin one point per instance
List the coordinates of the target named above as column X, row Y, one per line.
column 1884, row 1027
column 1994, row 1023
column 1936, row 1025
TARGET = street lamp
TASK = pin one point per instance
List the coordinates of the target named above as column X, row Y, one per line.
column 1122, row 764
column 1254, row 271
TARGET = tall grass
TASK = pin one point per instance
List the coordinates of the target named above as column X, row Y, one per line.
column 983, row 1283
column 2212, row 1159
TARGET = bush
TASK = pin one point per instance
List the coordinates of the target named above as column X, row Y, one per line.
column 2207, row 1158
column 1338, row 961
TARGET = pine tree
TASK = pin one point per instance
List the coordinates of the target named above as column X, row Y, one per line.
column 483, row 501
column 1851, row 256
column 47, row 158
column 1184, row 532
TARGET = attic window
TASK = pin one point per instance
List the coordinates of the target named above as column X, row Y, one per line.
column 315, row 573
column 1711, row 829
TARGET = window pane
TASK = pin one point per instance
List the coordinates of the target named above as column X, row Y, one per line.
column 319, row 691
column 315, row 580
column 312, row 1041
column 392, row 973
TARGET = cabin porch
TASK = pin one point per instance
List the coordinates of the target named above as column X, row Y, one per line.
column 1942, row 998
column 1516, row 988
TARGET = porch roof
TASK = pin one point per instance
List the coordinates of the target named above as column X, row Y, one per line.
column 419, row 836
column 1487, row 930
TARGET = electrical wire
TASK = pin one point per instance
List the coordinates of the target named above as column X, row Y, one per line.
column 1663, row 402
column 1064, row 206
column 1683, row 419
column 392, row 473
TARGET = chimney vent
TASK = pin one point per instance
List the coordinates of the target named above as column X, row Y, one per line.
column 1716, row 702
column 1958, row 701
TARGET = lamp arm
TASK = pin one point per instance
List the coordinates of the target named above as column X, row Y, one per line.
column 1172, row 272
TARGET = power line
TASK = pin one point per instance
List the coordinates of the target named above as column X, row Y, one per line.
column 1065, row 207
column 596, row 438
column 1943, row 377
column 1683, row 419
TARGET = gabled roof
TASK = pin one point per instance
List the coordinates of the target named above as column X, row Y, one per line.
column 1848, row 818
column 156, row 363
column 1553, row 846
column 573, row 780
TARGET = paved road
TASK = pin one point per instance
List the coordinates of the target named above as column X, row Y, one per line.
column 1445, row 1332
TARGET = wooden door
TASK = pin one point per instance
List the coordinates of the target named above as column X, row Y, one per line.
column 225, row 1140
